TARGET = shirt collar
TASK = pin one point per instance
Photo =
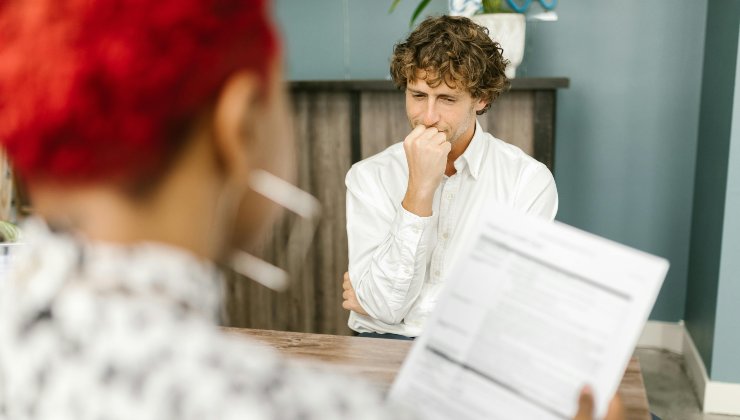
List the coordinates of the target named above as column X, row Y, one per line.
column 472, row 157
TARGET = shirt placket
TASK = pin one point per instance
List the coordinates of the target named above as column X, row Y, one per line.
column 444, row 230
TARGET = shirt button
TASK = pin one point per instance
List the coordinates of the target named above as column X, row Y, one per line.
column 436, row 273
column 450, row 196
column 445, row 235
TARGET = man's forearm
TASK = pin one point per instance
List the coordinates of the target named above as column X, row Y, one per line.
column 389, row 298
column 388, row 272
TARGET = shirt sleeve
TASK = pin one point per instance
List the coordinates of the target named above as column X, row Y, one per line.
column 537, row 193
column 387, row 249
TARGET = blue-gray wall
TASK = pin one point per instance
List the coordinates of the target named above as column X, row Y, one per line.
column 712, row 314
column 726, row 365
column 626, row 128
column 344, row 39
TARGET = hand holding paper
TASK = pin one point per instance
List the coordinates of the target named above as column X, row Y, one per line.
column 531, row 314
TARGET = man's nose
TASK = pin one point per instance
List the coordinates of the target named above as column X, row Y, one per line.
column 431, row 116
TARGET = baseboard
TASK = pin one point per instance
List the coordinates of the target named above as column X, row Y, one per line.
column 695, row 368
column 715, row 397
column 663, row 335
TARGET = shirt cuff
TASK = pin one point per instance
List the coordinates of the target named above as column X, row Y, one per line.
column 410, row 228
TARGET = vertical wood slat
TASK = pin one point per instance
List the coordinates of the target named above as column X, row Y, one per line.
column 330, row 145
column 544, row 127
column 383, row 121
column 313, row 303
column 511, row 120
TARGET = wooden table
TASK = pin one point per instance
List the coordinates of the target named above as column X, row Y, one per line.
column 378, row 360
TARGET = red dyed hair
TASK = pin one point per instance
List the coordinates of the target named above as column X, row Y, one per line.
column 96, row 89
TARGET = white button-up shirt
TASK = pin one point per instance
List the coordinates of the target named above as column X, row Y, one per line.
column 398, row 261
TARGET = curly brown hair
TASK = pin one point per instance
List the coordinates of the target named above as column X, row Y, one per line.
column 455, row 50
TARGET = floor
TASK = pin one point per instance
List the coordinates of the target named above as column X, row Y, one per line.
column 669, row 392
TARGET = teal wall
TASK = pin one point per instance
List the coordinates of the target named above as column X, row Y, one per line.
column 627, row 125
column 726, row 365
column 712, row 310
column 626, row 128
column 343, row 39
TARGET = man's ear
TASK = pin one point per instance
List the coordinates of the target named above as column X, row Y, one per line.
column 232, row 116
column 480, row 103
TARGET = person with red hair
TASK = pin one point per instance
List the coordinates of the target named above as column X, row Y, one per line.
column 138, row 128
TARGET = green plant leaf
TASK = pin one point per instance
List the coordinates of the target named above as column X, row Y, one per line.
column 393, row 6
column 9, row 232
column 418, row 11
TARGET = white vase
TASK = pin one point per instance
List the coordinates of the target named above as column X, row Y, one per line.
column 508, row 30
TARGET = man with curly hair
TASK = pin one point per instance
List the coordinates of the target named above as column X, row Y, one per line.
column 411, row 208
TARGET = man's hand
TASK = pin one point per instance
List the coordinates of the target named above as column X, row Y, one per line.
column 426, row 153
column 350, row 299
column 586, row 407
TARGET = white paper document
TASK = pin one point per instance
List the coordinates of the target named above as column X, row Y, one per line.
column 533, row 312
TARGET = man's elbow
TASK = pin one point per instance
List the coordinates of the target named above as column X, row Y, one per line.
column 386, row 312
column 391, row 318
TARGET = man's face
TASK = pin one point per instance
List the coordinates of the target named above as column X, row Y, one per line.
column 451, row 111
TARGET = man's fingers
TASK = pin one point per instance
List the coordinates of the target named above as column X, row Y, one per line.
column 439, row 138
column 346, row 284
column 433, row 136
column 616, row 409
column 415, row 134
column 585, row 405
column 350, row 302
column 421, row 134
column 417, row 131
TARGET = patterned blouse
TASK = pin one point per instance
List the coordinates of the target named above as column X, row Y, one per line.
column 103, row 332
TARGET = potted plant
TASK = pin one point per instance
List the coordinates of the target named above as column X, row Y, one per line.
column 506, row 23
column 505, row 27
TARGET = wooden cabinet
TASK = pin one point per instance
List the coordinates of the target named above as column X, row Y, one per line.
column 337, row 124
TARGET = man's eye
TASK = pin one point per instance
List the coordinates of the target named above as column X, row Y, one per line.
column 418, row 96
column 449, row 100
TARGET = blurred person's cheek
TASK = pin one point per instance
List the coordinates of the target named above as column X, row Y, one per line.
column 272, row 149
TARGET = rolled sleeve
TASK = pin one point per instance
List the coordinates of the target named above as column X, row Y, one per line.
column 387, row 253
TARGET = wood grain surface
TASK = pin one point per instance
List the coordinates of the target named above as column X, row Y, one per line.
column 511, row 119
column 383, row 121
column 378, row 360
column 313, row 301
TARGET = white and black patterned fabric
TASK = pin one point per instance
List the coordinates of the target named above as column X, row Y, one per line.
column 93, row 331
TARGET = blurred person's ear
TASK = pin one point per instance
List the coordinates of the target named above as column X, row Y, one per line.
column 252, row 130
column 232, row 116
